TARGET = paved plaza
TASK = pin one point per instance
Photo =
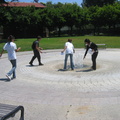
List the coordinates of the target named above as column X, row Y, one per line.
column 49, row 93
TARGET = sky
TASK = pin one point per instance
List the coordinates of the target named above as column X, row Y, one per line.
column 54, row 1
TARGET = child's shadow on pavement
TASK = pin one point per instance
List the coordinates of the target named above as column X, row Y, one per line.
column 88, row 70
column 4, row 79
column 62, row 70
column 32, row 66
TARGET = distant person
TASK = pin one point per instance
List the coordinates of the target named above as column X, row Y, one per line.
column 69, row 50
column 36, row 51
column 93, row 50
column 11, row 48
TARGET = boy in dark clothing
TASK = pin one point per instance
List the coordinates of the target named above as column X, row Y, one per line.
column 36, row 51
column 92, row 48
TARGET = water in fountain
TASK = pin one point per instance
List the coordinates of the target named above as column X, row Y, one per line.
column 78, row 61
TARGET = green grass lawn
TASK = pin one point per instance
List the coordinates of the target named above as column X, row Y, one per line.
column 58, row 42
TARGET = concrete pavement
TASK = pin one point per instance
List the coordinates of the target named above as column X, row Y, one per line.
column 48, row 93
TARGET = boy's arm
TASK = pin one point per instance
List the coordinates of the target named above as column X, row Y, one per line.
column 18, row 49
column 64, row 49
column 38, row 48
column 1, row 52
column 86, row 52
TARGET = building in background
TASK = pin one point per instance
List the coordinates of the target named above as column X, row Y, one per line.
column 6, row 30
column 22, row 4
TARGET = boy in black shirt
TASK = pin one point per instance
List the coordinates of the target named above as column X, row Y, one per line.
column 92, row 48
column 36, row 51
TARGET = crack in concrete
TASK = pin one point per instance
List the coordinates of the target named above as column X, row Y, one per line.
column 66, row 116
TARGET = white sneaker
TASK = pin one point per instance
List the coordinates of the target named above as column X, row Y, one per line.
column 9, row 78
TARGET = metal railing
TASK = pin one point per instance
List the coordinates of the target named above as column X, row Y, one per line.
column 7, row 111
column 102, row 46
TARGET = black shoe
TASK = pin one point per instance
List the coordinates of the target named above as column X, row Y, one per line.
column 41, row 64
column 93, row 68
column 30, row 63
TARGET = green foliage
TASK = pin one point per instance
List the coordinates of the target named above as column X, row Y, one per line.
column 18, row 20
column 89, row 3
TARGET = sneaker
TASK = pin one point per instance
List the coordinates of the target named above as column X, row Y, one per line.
column 9, row 78
column 30, row 63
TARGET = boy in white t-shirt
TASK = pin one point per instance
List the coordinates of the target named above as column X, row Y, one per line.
column 11, row 48
column 69, row 50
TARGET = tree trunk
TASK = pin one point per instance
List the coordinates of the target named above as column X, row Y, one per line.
column 47, row 32
column 94, row 30
column 71, row 30
column 59, row 32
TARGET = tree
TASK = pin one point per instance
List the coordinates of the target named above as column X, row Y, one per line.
column 59, row 20
column 2, row 1
column 36, row 1
column 70, row 14
column 22, row 21
column 49, row 4
column 47, row 19
column 52, row 17
column 95, row 19
column 100, row 3
column 110, row 14
column 107, row 16
column 82, row 20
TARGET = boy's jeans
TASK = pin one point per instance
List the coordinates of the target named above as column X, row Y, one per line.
column 12, row 71
column 71, row 61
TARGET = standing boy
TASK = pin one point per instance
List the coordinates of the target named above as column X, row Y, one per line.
column 11, row 48
column 36, row 51
column 69, row 48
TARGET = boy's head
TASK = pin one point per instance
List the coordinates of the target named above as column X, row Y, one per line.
column 87, row 41
column 39, row 38
column 70, row 40
column 11, row 38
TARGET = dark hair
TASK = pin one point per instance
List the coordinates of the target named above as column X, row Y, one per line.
column 39, row 37
column 70, row 40
column 87, row 40
column 10, row 38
